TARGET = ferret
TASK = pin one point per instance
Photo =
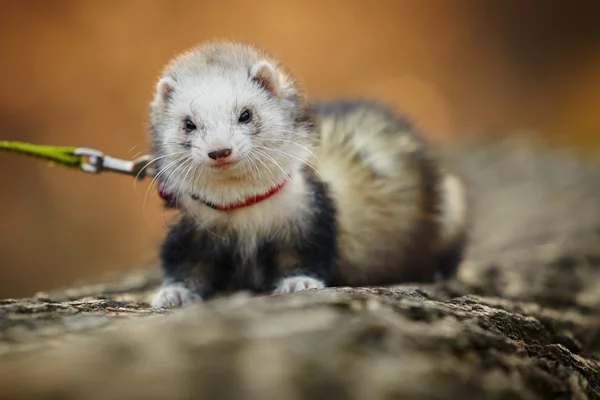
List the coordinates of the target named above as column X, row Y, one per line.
column 277, row 194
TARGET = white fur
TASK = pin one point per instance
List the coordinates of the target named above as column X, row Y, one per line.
column 174, row 295
column 298, row 284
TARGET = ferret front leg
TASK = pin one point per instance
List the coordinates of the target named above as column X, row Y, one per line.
column 188, row 264
column 298, row 273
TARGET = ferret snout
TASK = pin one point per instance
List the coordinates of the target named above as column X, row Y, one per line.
column 218, row 149
column 219, row 154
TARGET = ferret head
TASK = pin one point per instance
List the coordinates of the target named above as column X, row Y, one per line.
column 227, row 121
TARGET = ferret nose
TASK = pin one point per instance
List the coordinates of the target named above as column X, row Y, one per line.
column 223, row 153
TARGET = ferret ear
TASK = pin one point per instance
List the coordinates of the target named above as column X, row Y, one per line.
column 265, row 74
column 164, row 90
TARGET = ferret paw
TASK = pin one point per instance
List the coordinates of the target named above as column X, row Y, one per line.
column 298, row 284
column 173, row 296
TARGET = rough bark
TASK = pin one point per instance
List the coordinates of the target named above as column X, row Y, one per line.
column 436, row 341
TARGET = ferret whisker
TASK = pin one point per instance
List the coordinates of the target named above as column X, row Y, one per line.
column 156, row 159
column 135, row 181
column 262, row 153
column 184, row 144
column 297, row 144
column 255, row 174
column 183, row 165
column 133, row 148
column 189, row 162
column 249, row 158
column 138, row 154
column 252, row 160
column 285, row 154
column 157, row 176
column 155, row 179
column 245, row 166
column 259, row 150
column 178, row 193
column 189, row 169
column 272, row 124
column 274, row 162
column 185, row 161
column 253, row 167
column 198, row 173
column 267, row 168
column 164, row 217
column 189, row 165
column 294, row 133
column 147, row 165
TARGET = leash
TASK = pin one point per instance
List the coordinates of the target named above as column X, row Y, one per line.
column 85, row 159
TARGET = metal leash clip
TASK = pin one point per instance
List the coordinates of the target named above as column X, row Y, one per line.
column 98, row 162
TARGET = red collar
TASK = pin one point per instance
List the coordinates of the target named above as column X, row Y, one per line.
column 169, row 200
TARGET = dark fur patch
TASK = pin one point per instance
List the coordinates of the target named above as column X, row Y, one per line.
column 188, row 257
column 305, row 117
column 318, row 248
column 450, row 259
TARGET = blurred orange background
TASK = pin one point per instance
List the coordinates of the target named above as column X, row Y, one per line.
column 81, row 73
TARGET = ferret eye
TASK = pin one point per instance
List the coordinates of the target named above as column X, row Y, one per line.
column 245, row 117
column 189, row 126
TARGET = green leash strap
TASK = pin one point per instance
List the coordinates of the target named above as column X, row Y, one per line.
column 60, row 155
column 84, row 159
